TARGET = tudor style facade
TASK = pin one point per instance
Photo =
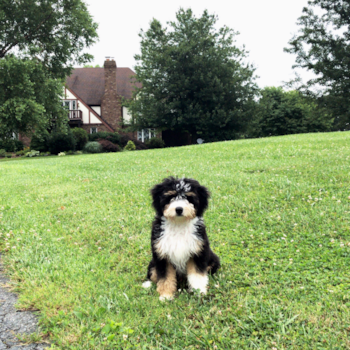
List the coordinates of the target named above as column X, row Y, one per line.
column 93, row 97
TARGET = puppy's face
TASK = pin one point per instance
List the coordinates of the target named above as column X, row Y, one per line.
column 178, row 207
column 180, row 199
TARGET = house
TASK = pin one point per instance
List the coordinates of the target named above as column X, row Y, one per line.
column 93, row 97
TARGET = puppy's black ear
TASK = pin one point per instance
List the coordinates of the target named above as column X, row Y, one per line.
column 156, row 193
column 203, row 197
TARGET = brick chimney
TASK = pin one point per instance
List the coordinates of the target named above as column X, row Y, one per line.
column 111, row 108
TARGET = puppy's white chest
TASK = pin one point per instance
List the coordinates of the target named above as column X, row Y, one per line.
column 178, row 242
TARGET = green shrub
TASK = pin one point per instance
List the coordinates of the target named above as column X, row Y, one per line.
column 69, row 153
column 21, row 153
column 114, row 138
column 60, row 142
column 109, row 146
column 33, row 153
column 98, row 135
column 104, row 135
column 124, row 139
column 78, row 152
column 130, row 146
column 40, row 142
column 81, row 136
column 2, row 153
column 155, row 142
column 93, row 147
column 11, row 145
column 8, row 155
column 18, row 145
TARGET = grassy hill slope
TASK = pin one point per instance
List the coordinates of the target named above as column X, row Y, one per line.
column 76, row 231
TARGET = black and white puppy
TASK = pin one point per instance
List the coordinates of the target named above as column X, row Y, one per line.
column 180, row 245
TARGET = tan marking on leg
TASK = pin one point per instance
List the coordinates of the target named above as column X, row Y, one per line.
column 191, row 267
column 166, row 287
column 196, row 279
column 153, row 275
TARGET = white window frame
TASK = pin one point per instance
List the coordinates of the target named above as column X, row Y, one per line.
column 142, row 134
column 71, row 104
column 94, row 127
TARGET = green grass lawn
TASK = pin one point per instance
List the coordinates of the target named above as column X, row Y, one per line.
column 76, row 231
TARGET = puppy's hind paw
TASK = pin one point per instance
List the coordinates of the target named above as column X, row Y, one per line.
column 147, row 284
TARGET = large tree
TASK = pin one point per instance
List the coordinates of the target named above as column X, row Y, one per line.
column 39, row 43
column 322, row 46
column 193, row 77
column 29, row 98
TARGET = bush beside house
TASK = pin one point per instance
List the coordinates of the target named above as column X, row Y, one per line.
column 104, row 135
column 61, row 142
column 81, row 137
column 130, row 146
column 77, row 138
column 109, row 146
column 155, row 142
column 124, row 139
column 11, row 145
column 93, row 147
column 40, row 142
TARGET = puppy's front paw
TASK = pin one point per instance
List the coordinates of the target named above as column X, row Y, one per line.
column 198, row 282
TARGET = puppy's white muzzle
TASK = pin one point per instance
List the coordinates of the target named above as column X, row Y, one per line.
column 179, row 208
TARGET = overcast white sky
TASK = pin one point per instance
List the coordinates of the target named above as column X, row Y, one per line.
column 265, row 28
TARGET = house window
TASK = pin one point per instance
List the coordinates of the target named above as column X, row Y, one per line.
column 146, row 134
column 71, row 105
column 93, row 130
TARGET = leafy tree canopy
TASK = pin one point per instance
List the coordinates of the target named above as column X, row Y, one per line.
column 54, row 31
column 323, row 47
column 29, row 98
column 282, row 112
column 39, row 43
column 193, row 78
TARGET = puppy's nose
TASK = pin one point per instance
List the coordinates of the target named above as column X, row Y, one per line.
column 179, row 210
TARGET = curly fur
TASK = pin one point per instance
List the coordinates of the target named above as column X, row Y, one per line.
column 180, row 245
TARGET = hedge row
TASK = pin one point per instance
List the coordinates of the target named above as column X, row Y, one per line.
column 78, row 138
column 11, row 145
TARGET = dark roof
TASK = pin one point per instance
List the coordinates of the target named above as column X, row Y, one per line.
column 88, row 84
